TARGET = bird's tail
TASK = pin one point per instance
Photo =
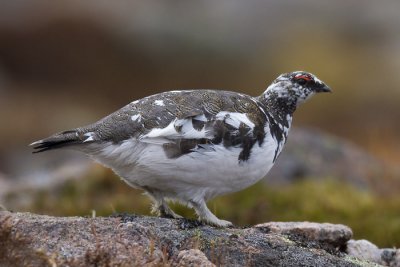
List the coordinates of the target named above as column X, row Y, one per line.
column 63, row 139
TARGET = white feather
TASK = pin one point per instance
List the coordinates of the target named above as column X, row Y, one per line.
column 187, row 131
column 235, row 119
column 201, row 117
column 163, row 135
column 89, row 137
column 168, row 131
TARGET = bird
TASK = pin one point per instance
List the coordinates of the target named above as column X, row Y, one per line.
column 191, row 146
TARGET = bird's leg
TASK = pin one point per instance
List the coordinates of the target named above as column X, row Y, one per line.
column 166, row 212
column 206, row 215
column 160, row 206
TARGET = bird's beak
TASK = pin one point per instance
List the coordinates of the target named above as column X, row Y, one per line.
column 322, row 88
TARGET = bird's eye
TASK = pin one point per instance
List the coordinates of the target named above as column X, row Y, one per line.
column 302, row 79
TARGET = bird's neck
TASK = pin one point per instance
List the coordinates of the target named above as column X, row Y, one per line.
column 279, row 107
column 278, row 112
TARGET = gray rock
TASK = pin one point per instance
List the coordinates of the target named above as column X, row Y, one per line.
column 193, row 257
column 129, row 240
column 390, row 257
column 365, row 250
column 330, row 237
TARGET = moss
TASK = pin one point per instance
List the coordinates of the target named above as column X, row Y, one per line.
column 287, row 240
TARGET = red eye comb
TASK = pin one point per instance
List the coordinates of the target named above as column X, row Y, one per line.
column 304, row 77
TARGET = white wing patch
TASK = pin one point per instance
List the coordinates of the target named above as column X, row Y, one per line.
column 235, row 119
column 183, row 128
column 168, row 131
column 188, row 131
column 201, row 117
column 89, row 137
column 164, row 135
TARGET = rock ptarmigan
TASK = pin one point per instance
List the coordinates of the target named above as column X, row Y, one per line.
column 193, row 145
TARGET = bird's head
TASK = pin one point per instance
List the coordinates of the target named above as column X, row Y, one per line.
column 296, row 87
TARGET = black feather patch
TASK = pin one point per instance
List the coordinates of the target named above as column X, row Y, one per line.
column 184, row 146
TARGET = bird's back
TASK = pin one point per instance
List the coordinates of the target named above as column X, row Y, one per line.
column 196, row 115
column 158, row 111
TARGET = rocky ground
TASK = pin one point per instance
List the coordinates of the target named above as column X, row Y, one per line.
column 129, row 240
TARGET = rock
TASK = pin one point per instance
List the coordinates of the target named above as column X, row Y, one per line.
column 193, row 257
column 365, row 250
column 130, row 240
column 331, row 237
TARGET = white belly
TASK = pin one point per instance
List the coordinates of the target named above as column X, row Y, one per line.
column 194, row 175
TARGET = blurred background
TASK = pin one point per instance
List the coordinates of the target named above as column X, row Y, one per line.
column 65, row 64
